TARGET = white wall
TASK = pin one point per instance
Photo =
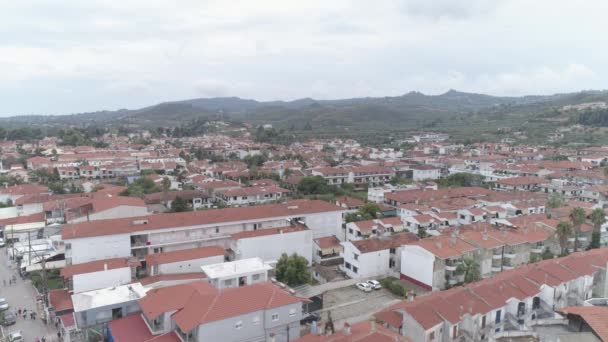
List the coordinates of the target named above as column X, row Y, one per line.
column 270, row 247
column 417, row 263
column 368, row 264
column 100, row 247
column 325, row 224
column 187, row 266
column 113, row 213
column 99, row 280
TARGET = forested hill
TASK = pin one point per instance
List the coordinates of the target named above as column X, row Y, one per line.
column 412, row 110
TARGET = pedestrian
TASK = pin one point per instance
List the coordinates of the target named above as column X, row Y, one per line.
column 32, row 315
column 19, row 311
column 24, row 315
column 59, row 336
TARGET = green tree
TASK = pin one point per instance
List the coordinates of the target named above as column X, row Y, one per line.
column 292, row 270
column 598, row 218
column 577, row 216
column 368, row 211
column 563, row 231
column 179, row 205
column 313, row 185
column 555, row 200
column 470, row 269
column 547, row 254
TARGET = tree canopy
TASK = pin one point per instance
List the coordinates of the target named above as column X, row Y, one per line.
column 292, row 270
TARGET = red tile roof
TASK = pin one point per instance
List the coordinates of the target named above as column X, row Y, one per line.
column 183, row 255
column 61, row 300
column 378, row 244
column 161, row 221
column 198, row 302
column 328, row 242
column 595, row 316
column 94, row 266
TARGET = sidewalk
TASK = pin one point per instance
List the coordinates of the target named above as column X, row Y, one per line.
column 22, row 296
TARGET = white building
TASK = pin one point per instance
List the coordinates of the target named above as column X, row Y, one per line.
column 237, row 273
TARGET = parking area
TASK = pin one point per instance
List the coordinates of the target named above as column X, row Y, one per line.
column 349, row 304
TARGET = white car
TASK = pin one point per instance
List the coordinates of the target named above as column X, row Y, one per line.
column 374, row 284
column 15, row 337
column 3, row 304
column 365, row 287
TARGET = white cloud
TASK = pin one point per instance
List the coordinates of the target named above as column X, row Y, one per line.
column 285, row 49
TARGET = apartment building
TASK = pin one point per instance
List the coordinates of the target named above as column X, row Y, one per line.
column 524, row 183
column 199, row 312
column 141, row 236
column 376, row 256
column 495, row 307
column 251, row 195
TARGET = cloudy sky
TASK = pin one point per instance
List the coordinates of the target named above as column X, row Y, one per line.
column 59, row 57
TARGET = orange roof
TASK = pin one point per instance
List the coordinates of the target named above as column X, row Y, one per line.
column 516, row 181
column 445, row 246
column 199, row 302
column 183, row 255
column 377, row 244
column 595, row 316
column 94, row 266
column 61, row 300
column 161, row 221
column 328, row 242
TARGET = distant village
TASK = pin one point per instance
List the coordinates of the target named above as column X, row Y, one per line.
column 221, row 238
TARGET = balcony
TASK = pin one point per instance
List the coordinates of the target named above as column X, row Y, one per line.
column 497, row 256
column 537, row 249
column 496, row 269
column 450, row 268
column 509, row 255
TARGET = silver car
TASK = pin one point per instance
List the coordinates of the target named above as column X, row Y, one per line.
column 3, row 304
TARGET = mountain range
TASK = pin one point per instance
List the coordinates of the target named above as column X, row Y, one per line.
column 410, row 110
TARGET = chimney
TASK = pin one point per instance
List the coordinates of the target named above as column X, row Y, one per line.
column 346, row 329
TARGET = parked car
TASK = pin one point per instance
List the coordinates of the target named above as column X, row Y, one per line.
column 374, row 284
column 365, row 287
column 311, row 317
column 7, row 318
column 2, row 243
column 3, row 304
column 15, row 337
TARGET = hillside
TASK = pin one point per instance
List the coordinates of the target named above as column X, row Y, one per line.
column 414, row 110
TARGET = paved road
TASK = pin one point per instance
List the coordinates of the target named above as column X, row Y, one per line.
column 22, row 295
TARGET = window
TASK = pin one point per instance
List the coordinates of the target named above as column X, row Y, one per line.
column 217, row 229
column 275, row 317
column 355, row 256
column 355, row 269
column 483, row 322
column 238, row 325
column 255, row 277
column 347, row 265
column 256, row 320
column 350, row 231
column 455, row 331
column 432, row 336
column 255, row 226
column 292, row 312
column 228, row 282
column 392, row 251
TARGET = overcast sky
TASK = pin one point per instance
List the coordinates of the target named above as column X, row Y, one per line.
column 60, row 57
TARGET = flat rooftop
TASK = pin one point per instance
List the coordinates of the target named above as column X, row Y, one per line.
column 233, row 268
column 109, row 296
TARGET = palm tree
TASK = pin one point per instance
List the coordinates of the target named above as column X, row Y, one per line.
column 577, row 216
column 470, row 268
column 598, row 217
column 563, row 231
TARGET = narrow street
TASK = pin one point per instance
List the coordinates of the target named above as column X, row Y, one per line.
column 22, row 296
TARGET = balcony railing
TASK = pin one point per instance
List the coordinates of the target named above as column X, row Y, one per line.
column 509, row 255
